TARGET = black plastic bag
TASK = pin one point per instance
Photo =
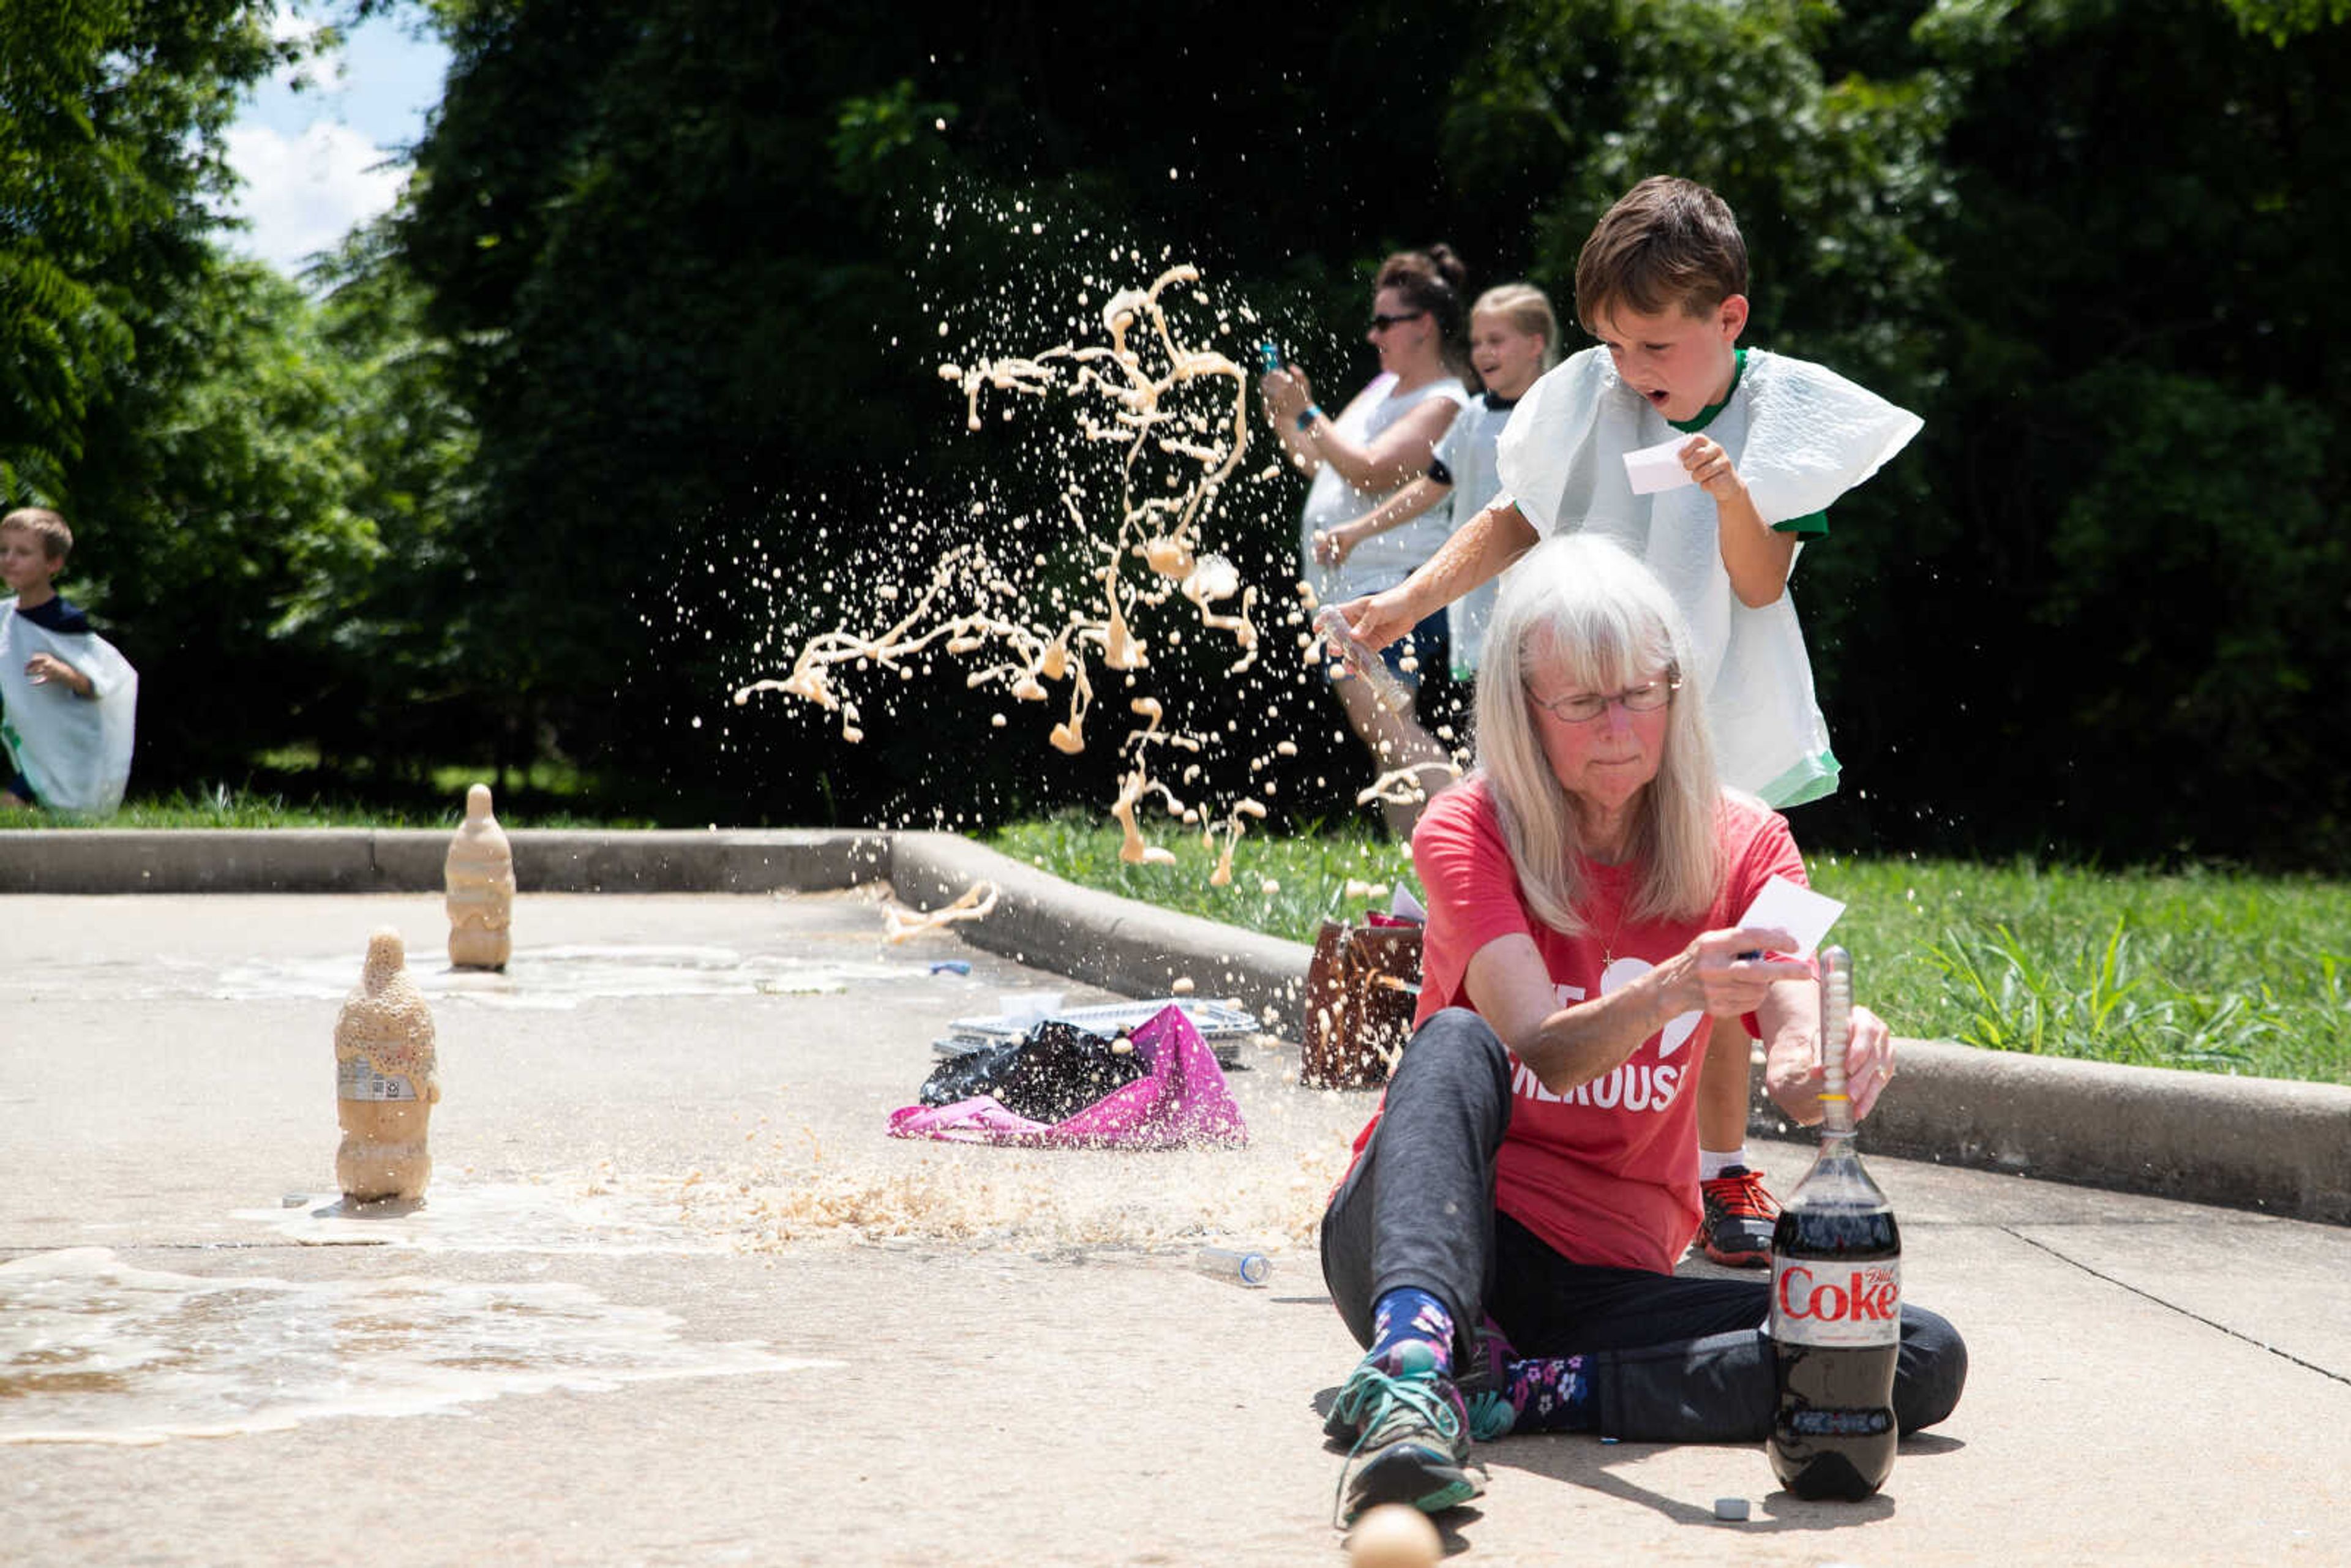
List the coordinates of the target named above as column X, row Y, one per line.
column 1048, row 1074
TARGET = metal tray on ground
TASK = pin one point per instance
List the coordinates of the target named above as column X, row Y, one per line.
column 1222, row 1025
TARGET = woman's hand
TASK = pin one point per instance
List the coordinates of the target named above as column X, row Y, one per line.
column 1794, row 1077
column 1333, row 546
column 1727, row 973
column 1722, row 973
column 1868, row 1060
column 1711, row 467
column 1287, row 394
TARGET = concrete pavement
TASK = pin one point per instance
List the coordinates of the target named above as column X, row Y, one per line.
column 2264, row 1145
column 675, row 1299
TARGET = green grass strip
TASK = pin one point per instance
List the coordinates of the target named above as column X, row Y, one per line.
column 2212, row 971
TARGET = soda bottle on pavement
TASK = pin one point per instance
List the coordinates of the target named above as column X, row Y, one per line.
column 480, row 881
column 1836, row 1294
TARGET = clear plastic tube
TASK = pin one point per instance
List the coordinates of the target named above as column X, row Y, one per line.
column 1836, row 1032
column 1365, row 660
column 1236, row 1267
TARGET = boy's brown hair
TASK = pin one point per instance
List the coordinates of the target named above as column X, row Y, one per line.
column 1667, row 242
column 57, row 539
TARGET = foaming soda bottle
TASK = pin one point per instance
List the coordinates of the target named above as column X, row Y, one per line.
column 1836, row 1294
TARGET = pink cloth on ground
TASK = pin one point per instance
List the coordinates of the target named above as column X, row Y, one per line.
column 1183, row 1100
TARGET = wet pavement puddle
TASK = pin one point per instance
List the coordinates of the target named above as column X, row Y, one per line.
column 562, row 1217
column 561, row 978
column 96, row 1350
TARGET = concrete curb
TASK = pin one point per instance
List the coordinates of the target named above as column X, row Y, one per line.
column 2276, row 1145
column 2270, row 1144
column 1116, row 943
column 334, row 860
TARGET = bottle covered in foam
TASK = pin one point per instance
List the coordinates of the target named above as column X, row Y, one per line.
column 387, row 1079
column 478, row 883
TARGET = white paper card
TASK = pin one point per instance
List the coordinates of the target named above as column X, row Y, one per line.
column 1659, row 468
column 1799, row 911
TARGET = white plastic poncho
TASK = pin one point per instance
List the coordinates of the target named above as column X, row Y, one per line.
column 75, row 751
column 1801, row 436
column 1468, row 451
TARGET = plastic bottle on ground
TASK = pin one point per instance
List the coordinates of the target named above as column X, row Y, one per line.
column 479, row 880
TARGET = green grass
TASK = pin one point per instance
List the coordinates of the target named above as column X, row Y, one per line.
column 2220, row 971
column 1311, row 871
column 2212, row 971
column 222, row 807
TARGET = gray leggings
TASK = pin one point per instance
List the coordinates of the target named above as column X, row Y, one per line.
column 1670, row 1360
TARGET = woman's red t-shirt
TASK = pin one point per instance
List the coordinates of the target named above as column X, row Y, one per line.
column 1608, row 1173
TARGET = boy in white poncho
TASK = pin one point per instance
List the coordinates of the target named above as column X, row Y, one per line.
column 1764, row 444
column 68, row 699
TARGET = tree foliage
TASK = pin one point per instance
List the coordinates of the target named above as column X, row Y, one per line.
column 641, row 382
column 688, row 256
column 258, row 482
column 696, row 258
column 111, row 112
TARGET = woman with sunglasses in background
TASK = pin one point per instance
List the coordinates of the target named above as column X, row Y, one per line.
column 1382, row 440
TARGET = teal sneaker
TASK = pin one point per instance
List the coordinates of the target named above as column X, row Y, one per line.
column 1485, row 1384
column 1411, row 1436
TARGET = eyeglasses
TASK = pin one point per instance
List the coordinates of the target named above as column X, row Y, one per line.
column 1584, row 706
column 1382, row 323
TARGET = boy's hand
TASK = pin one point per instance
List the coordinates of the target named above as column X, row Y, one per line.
column 43, row 668
column 1378, row 619
column 1709, row 466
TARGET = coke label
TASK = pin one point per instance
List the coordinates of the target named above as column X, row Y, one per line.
column 1818, row 1301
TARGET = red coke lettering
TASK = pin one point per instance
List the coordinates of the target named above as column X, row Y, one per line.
column 1871, row 1295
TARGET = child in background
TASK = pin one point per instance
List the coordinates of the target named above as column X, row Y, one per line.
column 68, row 699
column 1765, row 443
column 1513, row 340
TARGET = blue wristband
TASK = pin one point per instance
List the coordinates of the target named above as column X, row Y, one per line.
column 1306, row 420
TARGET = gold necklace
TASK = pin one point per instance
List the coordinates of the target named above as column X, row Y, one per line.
column 1608, row 943
column 1608, row 946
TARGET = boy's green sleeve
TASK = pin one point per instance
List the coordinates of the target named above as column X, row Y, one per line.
column 1812, row 525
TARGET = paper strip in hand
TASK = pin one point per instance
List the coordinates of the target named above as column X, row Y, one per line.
column 1799, row 911
column 1659, row 468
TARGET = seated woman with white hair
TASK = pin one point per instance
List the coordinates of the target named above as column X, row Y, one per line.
column 1510, row 1225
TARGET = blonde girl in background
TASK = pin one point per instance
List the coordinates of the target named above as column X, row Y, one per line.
column 1513, row 340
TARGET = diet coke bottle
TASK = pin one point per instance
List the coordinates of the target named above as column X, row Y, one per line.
column 1836, row 1294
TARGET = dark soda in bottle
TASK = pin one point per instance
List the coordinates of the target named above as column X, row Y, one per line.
column 1837, row 1295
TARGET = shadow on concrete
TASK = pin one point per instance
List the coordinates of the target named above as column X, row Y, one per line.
column 1582, row 1461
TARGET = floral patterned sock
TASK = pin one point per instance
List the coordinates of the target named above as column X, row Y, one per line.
column 1405, row 1313
column 1550, row 1393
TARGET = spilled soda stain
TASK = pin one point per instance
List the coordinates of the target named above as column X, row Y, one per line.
column 561, row 978
column 96, row 1350
column 584, row 1214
